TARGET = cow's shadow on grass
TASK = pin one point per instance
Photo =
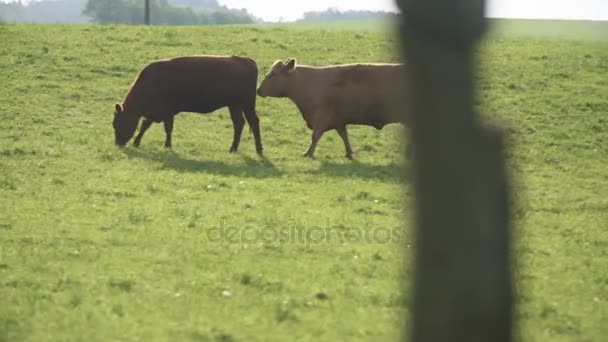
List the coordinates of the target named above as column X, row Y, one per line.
column 392, row 173
column 252, row 167
column 261, row 167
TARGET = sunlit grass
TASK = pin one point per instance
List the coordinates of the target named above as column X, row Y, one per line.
column 194, row 243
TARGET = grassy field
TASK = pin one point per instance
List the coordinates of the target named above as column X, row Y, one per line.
column 499, row 28
column 550, row 29
column 100, row 243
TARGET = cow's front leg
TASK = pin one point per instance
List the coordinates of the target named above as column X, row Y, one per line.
column 168, row 130
column 344, row 135
column 316, row 136
column 145, row 124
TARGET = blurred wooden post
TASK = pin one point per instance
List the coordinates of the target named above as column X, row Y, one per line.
column 147, row 12
column 462, row 287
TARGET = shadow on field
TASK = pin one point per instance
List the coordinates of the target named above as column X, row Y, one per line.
column 357, row 169
column 251, row 167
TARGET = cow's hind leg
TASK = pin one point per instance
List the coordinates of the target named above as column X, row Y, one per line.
column 168, row 130
column 344, row 135
column 236, row 114
column 254, row 123
column 145, row 124
column 316, row 136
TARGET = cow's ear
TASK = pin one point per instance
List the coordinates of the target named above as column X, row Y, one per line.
column 291, row 64
column 118, row 108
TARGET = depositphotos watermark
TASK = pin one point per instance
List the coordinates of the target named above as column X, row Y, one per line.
column 304, row 235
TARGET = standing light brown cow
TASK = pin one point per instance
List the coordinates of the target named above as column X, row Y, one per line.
column 335, row 96
column 200, row 84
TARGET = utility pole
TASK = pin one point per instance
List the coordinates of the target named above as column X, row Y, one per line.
column 147, row 12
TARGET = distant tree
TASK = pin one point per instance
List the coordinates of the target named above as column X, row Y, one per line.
column 221, row 18
column 110, row 11
column 198, row 5
column 162, row 12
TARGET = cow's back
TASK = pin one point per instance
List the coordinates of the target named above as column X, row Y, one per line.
column 195, row 84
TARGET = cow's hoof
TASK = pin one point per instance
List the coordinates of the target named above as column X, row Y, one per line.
column 260, row 152
column 167, row 146
column 233, row 150
column 136, row 144
column 308, row 155
column 349, row 156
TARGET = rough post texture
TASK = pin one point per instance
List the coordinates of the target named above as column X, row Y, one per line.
column 462, row 287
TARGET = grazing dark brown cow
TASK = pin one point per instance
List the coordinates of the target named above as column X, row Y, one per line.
column 335, row 96
column 200, row 84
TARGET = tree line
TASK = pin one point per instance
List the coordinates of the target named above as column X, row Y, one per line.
column 59, row 11
column 333, row 14
column 162, row 12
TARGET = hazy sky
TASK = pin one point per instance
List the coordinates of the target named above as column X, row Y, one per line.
column 551, row 9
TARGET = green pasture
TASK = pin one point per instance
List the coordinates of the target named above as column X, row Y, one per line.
column 99, row 243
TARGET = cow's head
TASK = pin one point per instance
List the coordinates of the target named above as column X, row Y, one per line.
column 124, row 126
column 276, row 81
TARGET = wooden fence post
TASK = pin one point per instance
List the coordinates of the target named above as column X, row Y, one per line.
column 462, row 284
